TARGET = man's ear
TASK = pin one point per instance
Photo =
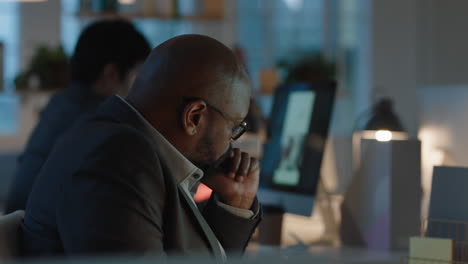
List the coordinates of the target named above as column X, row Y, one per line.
column 192, row 116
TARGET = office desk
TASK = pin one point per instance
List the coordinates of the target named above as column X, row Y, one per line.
column 313, row 255
column 324, row 254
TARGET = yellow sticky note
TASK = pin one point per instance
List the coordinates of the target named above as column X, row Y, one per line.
column 431, row 249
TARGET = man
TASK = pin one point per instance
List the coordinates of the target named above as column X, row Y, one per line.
column 123, row 180
column 104, row 62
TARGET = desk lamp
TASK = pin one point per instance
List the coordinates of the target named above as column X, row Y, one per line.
column 381, row 207
column 383, row 124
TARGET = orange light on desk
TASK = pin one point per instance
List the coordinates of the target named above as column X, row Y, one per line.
column 203, row 193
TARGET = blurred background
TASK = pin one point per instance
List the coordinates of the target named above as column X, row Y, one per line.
column 412, row 52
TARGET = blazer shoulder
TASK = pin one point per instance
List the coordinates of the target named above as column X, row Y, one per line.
column 107, row 132
column 123, row 139
column 124, row 157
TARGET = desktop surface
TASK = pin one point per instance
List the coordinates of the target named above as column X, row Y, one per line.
column 255, row 254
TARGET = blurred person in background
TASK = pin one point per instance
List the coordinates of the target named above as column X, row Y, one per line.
column 105, row 61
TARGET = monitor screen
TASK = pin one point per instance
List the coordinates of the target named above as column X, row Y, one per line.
column 297, row 134
column 295, row 130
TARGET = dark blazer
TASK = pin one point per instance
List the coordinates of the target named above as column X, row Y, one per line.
column 59, row 115
column 104, row 190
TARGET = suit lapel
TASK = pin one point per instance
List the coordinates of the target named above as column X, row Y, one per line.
column 213, row 241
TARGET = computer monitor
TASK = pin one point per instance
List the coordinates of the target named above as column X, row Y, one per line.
column 297, row 134
column 448, row 207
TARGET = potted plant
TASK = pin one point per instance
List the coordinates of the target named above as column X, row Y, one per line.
column 47, row 71
column 307, row 67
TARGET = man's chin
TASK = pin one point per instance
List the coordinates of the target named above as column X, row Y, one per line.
column 212, row 165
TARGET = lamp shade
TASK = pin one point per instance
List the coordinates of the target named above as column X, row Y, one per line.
column 383, row 117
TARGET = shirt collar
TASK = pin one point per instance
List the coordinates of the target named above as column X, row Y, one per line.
column 177, row 163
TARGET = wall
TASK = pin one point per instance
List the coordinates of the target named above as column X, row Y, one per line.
column 416, row 44
column 393, row 55
column 39, row 24
column 444, row 126
column 270, row 30
column 443, row 42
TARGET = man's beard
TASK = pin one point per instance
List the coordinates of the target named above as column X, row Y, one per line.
column 216, row 166
column 206, row 161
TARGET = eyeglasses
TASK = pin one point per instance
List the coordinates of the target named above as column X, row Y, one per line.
column 237, row 131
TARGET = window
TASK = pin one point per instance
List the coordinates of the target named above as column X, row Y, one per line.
column 9, row 37
column 269, row 30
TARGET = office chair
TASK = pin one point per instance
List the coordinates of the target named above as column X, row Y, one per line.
column 10, row 235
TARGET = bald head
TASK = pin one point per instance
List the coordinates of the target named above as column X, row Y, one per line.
column 207, row 73
column 190, row 66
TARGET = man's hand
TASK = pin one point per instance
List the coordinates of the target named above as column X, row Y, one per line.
column 236, row 183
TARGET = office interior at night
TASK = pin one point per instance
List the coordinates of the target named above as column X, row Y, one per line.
column 303, row 131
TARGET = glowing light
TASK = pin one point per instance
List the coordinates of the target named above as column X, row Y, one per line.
column 371, row 134
column 436, row 140
column 383, row 135
column 437, row 157
column 126, row 2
